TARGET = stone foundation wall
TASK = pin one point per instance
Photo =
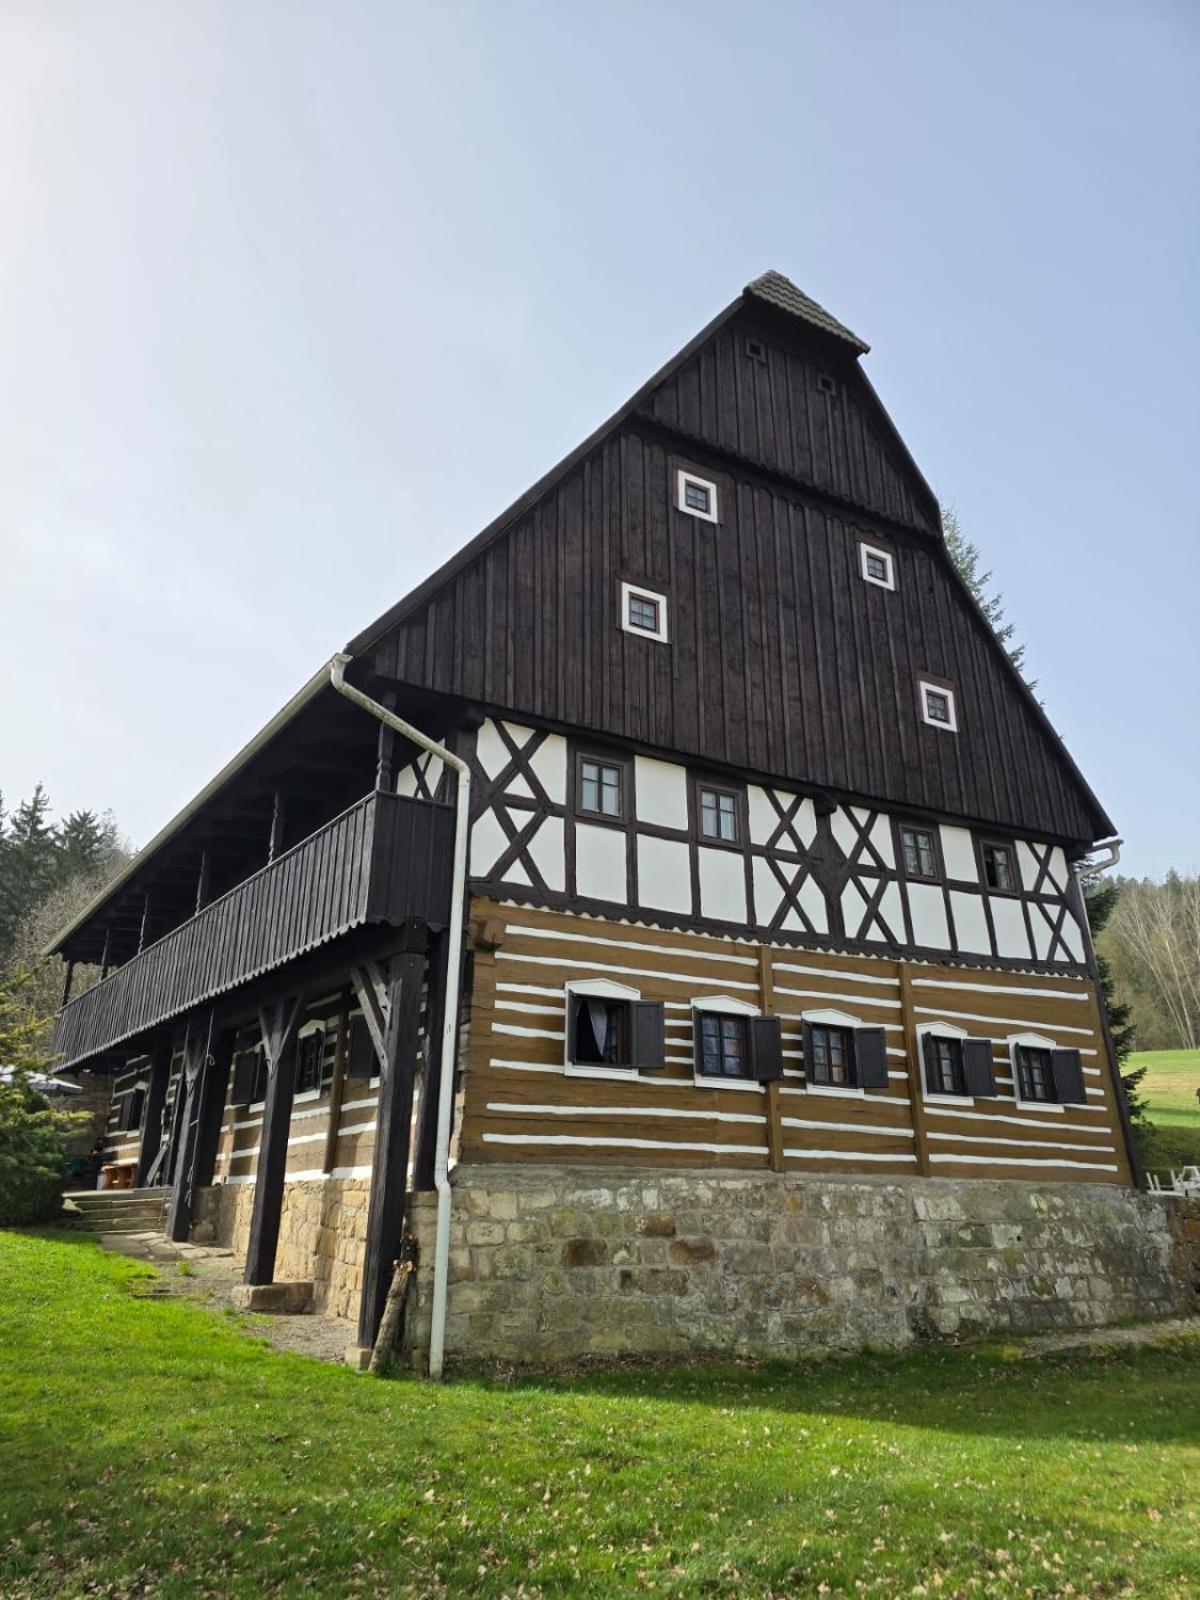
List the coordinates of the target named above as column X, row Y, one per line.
column 321, row 1234
column 550, row 1264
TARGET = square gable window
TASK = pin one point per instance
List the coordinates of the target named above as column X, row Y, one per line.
column 601, row 788
column 643, row 612
column 937, row 706
column 999, row 867
column 877, row 566
column 696, row 496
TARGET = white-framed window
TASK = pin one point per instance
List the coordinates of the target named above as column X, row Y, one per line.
column 1032, row 1059
column 598, row 1039
column 697, row 496
column 643, row 612
column 877, row 566
column 722, row 1046
column 843, row 1055
column 937, row 706
column 941, row 1064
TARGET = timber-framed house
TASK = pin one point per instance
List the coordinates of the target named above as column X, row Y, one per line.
column 770, row 869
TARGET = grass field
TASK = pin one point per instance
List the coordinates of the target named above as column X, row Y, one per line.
column 1169, row 1087
column 150, row 1447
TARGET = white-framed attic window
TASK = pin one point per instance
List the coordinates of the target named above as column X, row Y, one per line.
column 644, row 613
column 938, row 706
column 877, row 566
column 696, row 496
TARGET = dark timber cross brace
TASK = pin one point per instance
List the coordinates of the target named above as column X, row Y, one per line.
column 391, row 1006
column 204, row 1081
column 279, row 1025
column 152, row 1117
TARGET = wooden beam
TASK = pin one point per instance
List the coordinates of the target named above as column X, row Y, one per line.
column 278, row 818
column 203, row 879
column 338, row 1086
column 393, row 1127
column 766, row 980
column 371, row 986
column 385, row 760
column 210, row 1111
column 144, row 924
column 279, row 1025
column 427, row 1110
column 156, row 1103
column 187, row 1092
column 912, row 1050
column 68, row 976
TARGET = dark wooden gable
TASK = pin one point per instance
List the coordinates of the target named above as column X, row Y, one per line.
column 799, row 406
column 781, row 660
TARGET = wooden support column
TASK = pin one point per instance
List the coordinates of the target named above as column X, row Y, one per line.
column 912, row 1050
column 210, row 1110
column 278, row 820
column 279, row 1025
column 431, row 1072
column 392, row 1008
column 143, row 927
column 187, row 1096
column 766, row 984
column 202, row 882
column 337, row 1088
column 385, row 764
column 156, row 1102
column 104, row 954
column 68, row 976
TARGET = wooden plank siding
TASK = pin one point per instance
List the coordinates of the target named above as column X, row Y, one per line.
column 383, row 860
column 520, row 1105
column 782, row 662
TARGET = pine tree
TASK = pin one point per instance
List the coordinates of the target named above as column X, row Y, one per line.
column 1100, row 897
column 966, row 556
column 86, row 845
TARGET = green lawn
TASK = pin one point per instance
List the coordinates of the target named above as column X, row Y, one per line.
column 150, row 1447
column 1169, row 1088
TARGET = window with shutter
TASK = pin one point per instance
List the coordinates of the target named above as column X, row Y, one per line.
column 360, row 1056
column 720, row 1045
column 829, row 1055
column 978, row 1070
column 870, row 1058
column 1067, row 1069
column 1035, row 1074
column 310, row 1061
column 245, row 1070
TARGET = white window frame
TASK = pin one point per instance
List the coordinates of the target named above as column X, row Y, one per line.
column 597, row 989
column 926, row 684
column 943, row 1030
column 834, row 1019
column 682, row 479
column 864, row 551
column 1033, row 1041
column 633, row 591
column 723, row 1005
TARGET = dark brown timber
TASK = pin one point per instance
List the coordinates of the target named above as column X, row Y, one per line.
column 156, row 1099
column 279, row 1024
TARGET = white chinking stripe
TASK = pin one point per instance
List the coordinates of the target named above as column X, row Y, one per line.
column 835, row 974
column 933, row 1109
column 845, row 999
column 1018, row 1161
column 996, row 988
column 846, row 1155
column 1021, row 1144
column 1001, row 1022
column 531, row 931
column 510, row 1108
column 849, row 1127
column 307, row 1175
column 568, row 964
column 624, row 1144
column 303, row 1138
column 528, row 1033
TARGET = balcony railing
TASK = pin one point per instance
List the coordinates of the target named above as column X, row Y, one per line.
column 384, row 860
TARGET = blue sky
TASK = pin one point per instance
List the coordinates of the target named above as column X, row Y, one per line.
column 295, row 297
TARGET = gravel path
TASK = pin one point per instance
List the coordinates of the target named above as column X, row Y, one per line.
column 208, row 1274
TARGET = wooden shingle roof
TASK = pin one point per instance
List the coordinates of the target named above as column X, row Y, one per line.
column 781, row 292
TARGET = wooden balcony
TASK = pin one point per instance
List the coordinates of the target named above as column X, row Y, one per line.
column 384, row 860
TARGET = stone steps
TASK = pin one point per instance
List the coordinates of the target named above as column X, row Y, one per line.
column 116, row 1210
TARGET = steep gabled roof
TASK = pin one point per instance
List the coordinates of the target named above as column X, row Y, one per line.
column 781, row 292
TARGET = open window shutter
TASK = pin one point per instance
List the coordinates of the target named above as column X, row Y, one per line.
column 647, row 1051
column 360, row 1057
column 764, row 1048
column 124, row 1122
column 807, row 1036
column 1068, row 1078
column 870, row 1058
column 977, row 1066
column 245, row 1065
column 928, row 1049
column 137, row 1100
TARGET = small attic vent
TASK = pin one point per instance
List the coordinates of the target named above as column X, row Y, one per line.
column 826, row 384
column 756, row 350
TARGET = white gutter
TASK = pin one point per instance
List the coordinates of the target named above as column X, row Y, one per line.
column 454, row 945
column 1086, row 868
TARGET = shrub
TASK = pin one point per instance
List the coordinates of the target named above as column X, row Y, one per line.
column 33, row 1136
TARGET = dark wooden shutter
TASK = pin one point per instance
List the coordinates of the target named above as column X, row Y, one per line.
column 928, row 1049
column 137, row 1102
column 977, row 1066
column 245, row 1069
column 870, row 1058
column 1068, row 1078
column 647, row 1049
column 764, row 1049
column 360, row 1057
column 123, row 1115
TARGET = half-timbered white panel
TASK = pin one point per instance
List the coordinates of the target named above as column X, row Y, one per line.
column 600, row 867
column 664, row 869
column 661, row 788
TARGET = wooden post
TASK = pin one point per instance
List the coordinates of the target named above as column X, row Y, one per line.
column 210, row 1110
column 431, row 1072
column 187, row 1096
column 202, row 882
column 385, row 765
column 766, row 983
column 912, row 1050
column 337, row 1087
column 156, row 1100
column 145, row 922
column 104, row 955
column 393, row 1119
column 66, row 988
column 279, row 1026
column 275, row 843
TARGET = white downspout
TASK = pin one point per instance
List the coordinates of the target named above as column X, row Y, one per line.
column 1086, row 868
column 454, row 945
